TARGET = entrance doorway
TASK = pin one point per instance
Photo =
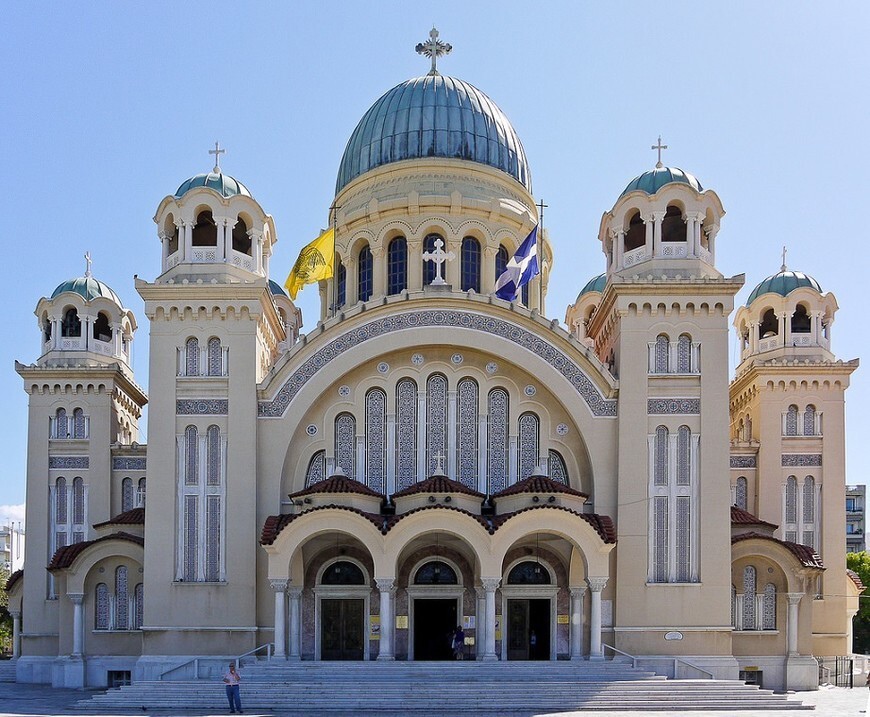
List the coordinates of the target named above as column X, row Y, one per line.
column 434, row 623
column 528, row 629
column 342, row 626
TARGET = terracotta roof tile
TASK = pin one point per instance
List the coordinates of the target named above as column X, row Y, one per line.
column 337, row 484
column 538, row 484
column 438, row 484
column 65, row 556
column 14, row 578
column 395, row 519
column 130, row 517
column 853, row 576
column 603, row 524
column 807, row 556
column 744, row 517
column 274, row 524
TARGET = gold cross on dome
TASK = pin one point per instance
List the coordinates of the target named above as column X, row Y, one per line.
column 659, row 146
column 433, row 48
column 217, row 152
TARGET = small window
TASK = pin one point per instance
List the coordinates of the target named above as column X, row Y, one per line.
column 397, row 266
column 769, row 325
column 501, row 260
column 102, row 328
column 635, row 237
column 343, row 572
column 205, row 230
column 342, row 283
column 470, row 264
column 800, row 320
column 241, row 238
column 529, row 572
column 673, row 226
column 71, row 325
column 436, row 572
column 364, row 269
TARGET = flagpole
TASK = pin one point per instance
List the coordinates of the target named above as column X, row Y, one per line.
column 334, row 209
column 538, row 243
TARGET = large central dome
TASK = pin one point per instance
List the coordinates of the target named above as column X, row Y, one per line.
column 433, row 116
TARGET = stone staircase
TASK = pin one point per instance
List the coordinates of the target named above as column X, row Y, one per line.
column 7, row 671
column 515, row 689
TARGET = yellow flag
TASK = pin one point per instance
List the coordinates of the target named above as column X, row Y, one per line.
column 315, row 262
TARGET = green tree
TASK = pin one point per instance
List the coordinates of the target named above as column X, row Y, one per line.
column 860, row 563
column 5, row 617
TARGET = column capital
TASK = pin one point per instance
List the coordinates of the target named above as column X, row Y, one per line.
column 15, row 614
column 596, row 585
column 76, row 598
column 278, row 586
column 385, row 584
column 577, row 591
column 480, row 592
column 657, row 215
column 794, row 598
column 490, row 584
column 294, row 592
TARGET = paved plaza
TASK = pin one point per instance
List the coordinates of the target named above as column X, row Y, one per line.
column 41, row 700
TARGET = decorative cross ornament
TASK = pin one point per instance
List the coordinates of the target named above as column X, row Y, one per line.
column 540, row 205
column 439, row 463
column 88, row 262
column 217, row 152
column 433, row 48
column 438, row 256
column 659, row 146
column 784, row 252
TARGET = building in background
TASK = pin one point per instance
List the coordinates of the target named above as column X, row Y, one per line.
column 855, row 518
column 12, row 546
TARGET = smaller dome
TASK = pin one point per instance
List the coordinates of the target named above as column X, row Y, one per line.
column 596, row 283
column 653, row 180
column 223, row 184
column 276, row 289
column 88, row 288
column 783, row 283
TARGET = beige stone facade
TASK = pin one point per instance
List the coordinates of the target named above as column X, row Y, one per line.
column 430, row 455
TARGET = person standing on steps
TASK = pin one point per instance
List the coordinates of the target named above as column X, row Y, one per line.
column 459, row 643
column 231, row 680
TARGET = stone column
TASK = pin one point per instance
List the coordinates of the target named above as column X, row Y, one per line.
column 415, row 265
column 351, row 282
column 295, row 595
column 16, row 633
column 77, row 600
column 388, row 621
column 379, row 272
column 794, row 600
column 753, row 337
column 657, row 232
column 577, row 595
column 361, row 459
column 784, row 339
column 619, row 241
column 490, row 585
column 513, row 463
column 87, row 331
column 480, row 623
column 487, row 270
column 648, row 235
column 56, row 322
column 279, row 586
column 815, row 326
column 596, row 585
column 186, row 241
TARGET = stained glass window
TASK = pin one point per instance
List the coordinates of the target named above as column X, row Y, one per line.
column 660, row 467
column 528, row 572
column 660, row 539
column 215, row 357
column 684, row 539
column 101, row 607
column 141, row 496
column 121, row 605
column 436, row 423
column 191, row 526
column 740, row 493
column 376, row 439
column 791, row 500
column 213, row 538
column 397, row 266
column 662, row 349
column 406, row 433
column 342, row 283
column 345, row 443
column 78, row 501
column 684, row 354
column 470, row 264
column 466, row 439
column 768, row 608
column 126, row 494
column 61, row 427
column 364, row 274
column 316, row 469
column 791, row 420
column 343, row 572
column 191, row 364
column 558, row 471
column 435, row 572
column 684, row 449
column 79, row 424
column 497, row 439
column 213, row 456
column 810, row 421
column 749, row 598
column 809, row 507
column 139, row 605
column 528, row 445
column 60, row 501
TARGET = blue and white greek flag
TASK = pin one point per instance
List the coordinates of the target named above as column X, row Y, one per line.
column 520, row 270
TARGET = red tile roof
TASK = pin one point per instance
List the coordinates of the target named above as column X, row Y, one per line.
column 274, row 524
column 65, row 556
column 744, row 517
column 603, row 524
column 14, row 578
column 337, row 484
column 807, row 556
column 438, row 484
column 130, row 517
column 853, row 576
column 538, row 484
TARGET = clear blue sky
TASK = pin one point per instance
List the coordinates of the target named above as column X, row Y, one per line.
column 107, row 107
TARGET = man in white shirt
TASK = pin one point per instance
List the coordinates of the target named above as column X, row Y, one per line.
column 231, row 680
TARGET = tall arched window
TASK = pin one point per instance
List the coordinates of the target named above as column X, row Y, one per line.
column 342, row 282
column 191, row 456
column 800, row 320
column 121, row 603
column 673, row 226
column 769, row 325
column 768, row 607
column 190, row 499
column 558, row 471
column 684, row 354
column 740, row 491
column 71, row 325
column 78, row 501
column 436, row 424
column 470, row 264
column 502, row 258
column 662, row 350
column 140, row 498
column 60, row 513
column 205, row 230
column 46, row 328
column 241, row 238
column 809, row 511
column 61, row 425
column 213, row 456
column 497, row 439
column 397, row 266
column 316, row 469
column 810, row 421
column 138, row 606
column 79, row 424
column 102, row 611
column 791, row 510
column 684, row 438
column 191, row 358
column 406, row 433
column 102, row 329
column 524, row 293
column 467, row 430
column 215, row 357
column 635, row 237
column 126, row 495
column 376, row 440
column 345, row 443
column 364, row 274
column 527, row 445
column 791, row 421
column 660, row 469
column 429, row 266
column 749, row 589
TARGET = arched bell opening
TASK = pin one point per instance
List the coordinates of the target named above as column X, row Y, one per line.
column 102, row 328
column 635, row 237
column 241, row 238
column 205, row 230
column 673, row 225
column 800, row 320
column 769, row 325
column 71, row 325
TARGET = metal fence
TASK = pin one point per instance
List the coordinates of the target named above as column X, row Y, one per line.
column 836, row 671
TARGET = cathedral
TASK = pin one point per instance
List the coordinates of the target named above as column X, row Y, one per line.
column 428, row 455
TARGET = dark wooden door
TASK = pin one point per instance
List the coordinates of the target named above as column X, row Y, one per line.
column 342, row 629
column 518, row 630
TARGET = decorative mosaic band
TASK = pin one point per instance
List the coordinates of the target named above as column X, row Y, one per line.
column 202, row 407
column 743, row 462
column 69, row 462
column 123, row 463
column 673, row 406
column 599, row 405
column 801, row 460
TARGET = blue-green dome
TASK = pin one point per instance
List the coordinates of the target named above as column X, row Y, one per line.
column 653, row 180
column 88, row 288
column 596, row 283
column 222, row 183
column 783, row 283
column 433, row 116
column 276, row 289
